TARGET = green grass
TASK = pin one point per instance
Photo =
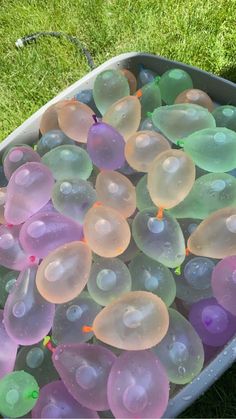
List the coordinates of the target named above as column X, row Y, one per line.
column 197, row 32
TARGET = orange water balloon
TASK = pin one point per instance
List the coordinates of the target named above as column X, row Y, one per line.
column 115, row 190
column 49, row 120
column 143, row 147
column 106, row 231
column 197, row 97
column 124, row 115
column 75, row 119
column 215, row 237
column 63, row 274
column 170, row 178
column 137, row 320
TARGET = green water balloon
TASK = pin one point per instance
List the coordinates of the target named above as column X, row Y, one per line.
column 151, row 97
column 172, row 83
column 225, row 116
column 179, row 121
column 212, row 149
column 215, row 190
column 19, row 392
column 149, row 275
column 109, row 86
column 143, row 199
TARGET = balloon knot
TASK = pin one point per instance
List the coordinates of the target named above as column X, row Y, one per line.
column 187, row 251
column 97, row 204
column 48, row 344
column 157, row 79
column 149, row 114
column 34, row 395
column 139, row 93
column 32, row 259
column 10, row 225
column 178, row 270
column 160, row 213
column 180, row 143
column 87, row 329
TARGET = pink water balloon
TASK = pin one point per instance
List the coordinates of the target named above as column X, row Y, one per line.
column 46, row 231
column 27, row 316
column 29, row 189
column 224, row 283
column 12, row 255
column 8, row 350
column 84, row 369
column 56, row 402
column 138, row 386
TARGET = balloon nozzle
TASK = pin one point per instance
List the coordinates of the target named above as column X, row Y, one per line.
column 87, row 329
column 160, row 213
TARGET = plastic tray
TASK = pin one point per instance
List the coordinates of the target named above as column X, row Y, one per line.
column 221, row 91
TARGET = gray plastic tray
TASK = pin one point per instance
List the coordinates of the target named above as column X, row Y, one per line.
column 221, row 91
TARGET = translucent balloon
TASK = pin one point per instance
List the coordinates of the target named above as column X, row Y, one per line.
column 143, row 147
column 197, row 97
column 215, row 237
column 145, row 76
column 116, row 191
column 194, row 283
column 3, row 197
column 46, row 231
column 179, row 121
column 18, row 394
column 106, row 231
column 12, row 255
column 142, row 194
column 109, row 86
column 56, row 402
column 51, row 140
column 219, row 145
column 8, row 350
column 225, row 116
column 71, row 317
column 73, row 198
column 49, row 120
column 108, row 280
column 7, row 281
column 63, row 274
column 138, row 386
column 135, row 321
column 151, row 97
column 213, row 323
column 215, row 190
column 105, row 147
column 224, row 283
column 172, row 83
column 181, row 351
column 149, row 275
column 29, row 189
column 161, row 240
column 124, row 115
column 84, row 369
column 68, row 162
column 170, row 178
column 37, row 361
column 16, row 157
column 131, row 80
column 86, row 97
column 75, row 119
column 27, row 316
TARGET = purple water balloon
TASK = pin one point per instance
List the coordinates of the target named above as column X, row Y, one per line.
column 29, row 189
column 212, row 322
column 223, row 283
column 17, row 156
column 84, row 369
column 8, row 350
column 138, row 386
column 46, row 231
column 12, row 255
column 56, row 402
column 27, row 316
column 105, row 146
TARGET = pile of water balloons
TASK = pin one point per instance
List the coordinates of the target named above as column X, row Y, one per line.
column 117, row 248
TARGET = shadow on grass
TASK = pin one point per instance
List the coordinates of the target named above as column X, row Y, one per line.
column 229, row 73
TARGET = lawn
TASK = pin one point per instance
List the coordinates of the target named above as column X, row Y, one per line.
column 197, row 32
